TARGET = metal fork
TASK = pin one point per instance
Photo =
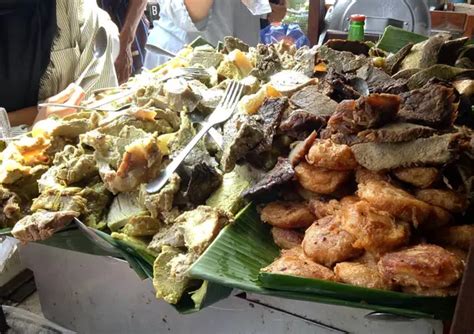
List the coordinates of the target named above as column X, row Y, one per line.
column 222, row 113
column 72, row 106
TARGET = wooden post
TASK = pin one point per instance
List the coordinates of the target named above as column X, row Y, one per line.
column 314, row 20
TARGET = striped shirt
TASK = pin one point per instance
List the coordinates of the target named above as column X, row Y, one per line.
column 73, row 47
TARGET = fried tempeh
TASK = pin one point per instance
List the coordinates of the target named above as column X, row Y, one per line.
column 287, row 214
column 360, row 274
column 319, row 180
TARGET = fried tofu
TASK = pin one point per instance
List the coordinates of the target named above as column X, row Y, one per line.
column 424, row 265
column 375, row 231
column 421, row 177
column 323, row 209
column 286, row 239
column 360, row 274
column 457, row 236
column 287, row 215
column 320, row 180
column 324, row 153
column 326, row 243
column 446, row 199
column 294, row 262
column 386, row 197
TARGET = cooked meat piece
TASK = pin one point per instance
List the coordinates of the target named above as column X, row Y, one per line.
column 326, row 243
column 286, row 239
column 360, row 274
column 364, row 175
column 323, row 209
column 393, row 61
column 375, row 231
column 325, row 154
column 433, row 105
column 41, row 225
column 341, row 138
column 386, row 197
column 432, row 292
column 367, row 112
column 281, row 174
column 446, row 199
column 299, row 151
column 271, row 113
column 355, row 47
column 202, row 179
column 421, row 177
column 395, row 133
column 293, row 262
column 341, row 61
column 340, row 87
column 426, row 266
column 320, row 180
column 435, row 150
column 457, row 236
column 300, row 122
column 380, row 82
column 311, row 100
column 169, row 235
column 287, row 214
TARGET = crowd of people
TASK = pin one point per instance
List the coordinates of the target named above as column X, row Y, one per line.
column 46, row 45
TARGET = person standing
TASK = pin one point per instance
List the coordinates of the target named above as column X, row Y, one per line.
column 129, row 16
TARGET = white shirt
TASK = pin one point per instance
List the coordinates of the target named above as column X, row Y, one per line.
column 175, row 28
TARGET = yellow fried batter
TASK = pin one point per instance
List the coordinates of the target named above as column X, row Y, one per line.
column 426, row 266
column 327, row 244
column 386, row 197
column 360, row 274
column 319, row 180
column 322, row 209
column 446, row 199
column 421, row 177
column 375, row 231
column 286, row 239
column 294, row 262
column 324, row 153
column 287, row 214
column 457, row 236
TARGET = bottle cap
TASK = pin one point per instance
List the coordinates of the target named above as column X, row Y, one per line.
column 358, row 18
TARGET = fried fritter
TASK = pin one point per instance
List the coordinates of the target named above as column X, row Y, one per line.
column 375, row 231
column 319, row 180
column 438, row 218
column 426, row 266
column 294, row 262
column 432, row 292
column 384, row 196
column 286, row 239
column 446, row 199
column 323, row 209
column 324, row 153
column 360, row 274
column 364, row 175
column 421, row 177
column 457, row 236
column 287, row 214
column 326, row 243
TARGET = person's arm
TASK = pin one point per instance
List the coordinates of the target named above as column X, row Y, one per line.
column 23, row 116
column 198, row 9
column 123, row 63
column 187, row 15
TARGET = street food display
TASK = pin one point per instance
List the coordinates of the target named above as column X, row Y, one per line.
column 360, row 160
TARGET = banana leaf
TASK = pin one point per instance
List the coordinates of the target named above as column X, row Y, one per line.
column 235, row 258
column 393, row 39
column 7, row 231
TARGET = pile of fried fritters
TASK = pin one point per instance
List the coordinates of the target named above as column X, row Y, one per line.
column 379, row 203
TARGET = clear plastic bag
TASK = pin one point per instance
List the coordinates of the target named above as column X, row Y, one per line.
column 290, row 33
column 258, row 7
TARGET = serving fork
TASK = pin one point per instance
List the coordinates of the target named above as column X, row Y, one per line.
column 222, row 113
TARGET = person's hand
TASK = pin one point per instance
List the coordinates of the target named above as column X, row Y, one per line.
column 278, row 11
column 123, row 64
column 73, row 95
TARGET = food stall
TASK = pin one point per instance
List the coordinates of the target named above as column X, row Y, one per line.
column 328, row 189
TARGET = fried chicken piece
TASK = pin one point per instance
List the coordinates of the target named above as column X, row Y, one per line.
column 426, row 266
column 446, row 199
column 432, row 292
column 375, row 231
column 286, row 239
column 323, row 209
column 294, row 262
column 41, row 225
column 324, row 153
column 326, row 243
column 384, row 196
column 287, row 215
column 320, row 180
column 458, row 236
column 421, row 177
column 361, row 274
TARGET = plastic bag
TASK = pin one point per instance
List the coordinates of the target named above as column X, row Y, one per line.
column 290, row 33
column 258, row 7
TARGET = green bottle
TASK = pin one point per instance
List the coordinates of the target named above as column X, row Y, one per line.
column 356, row 28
